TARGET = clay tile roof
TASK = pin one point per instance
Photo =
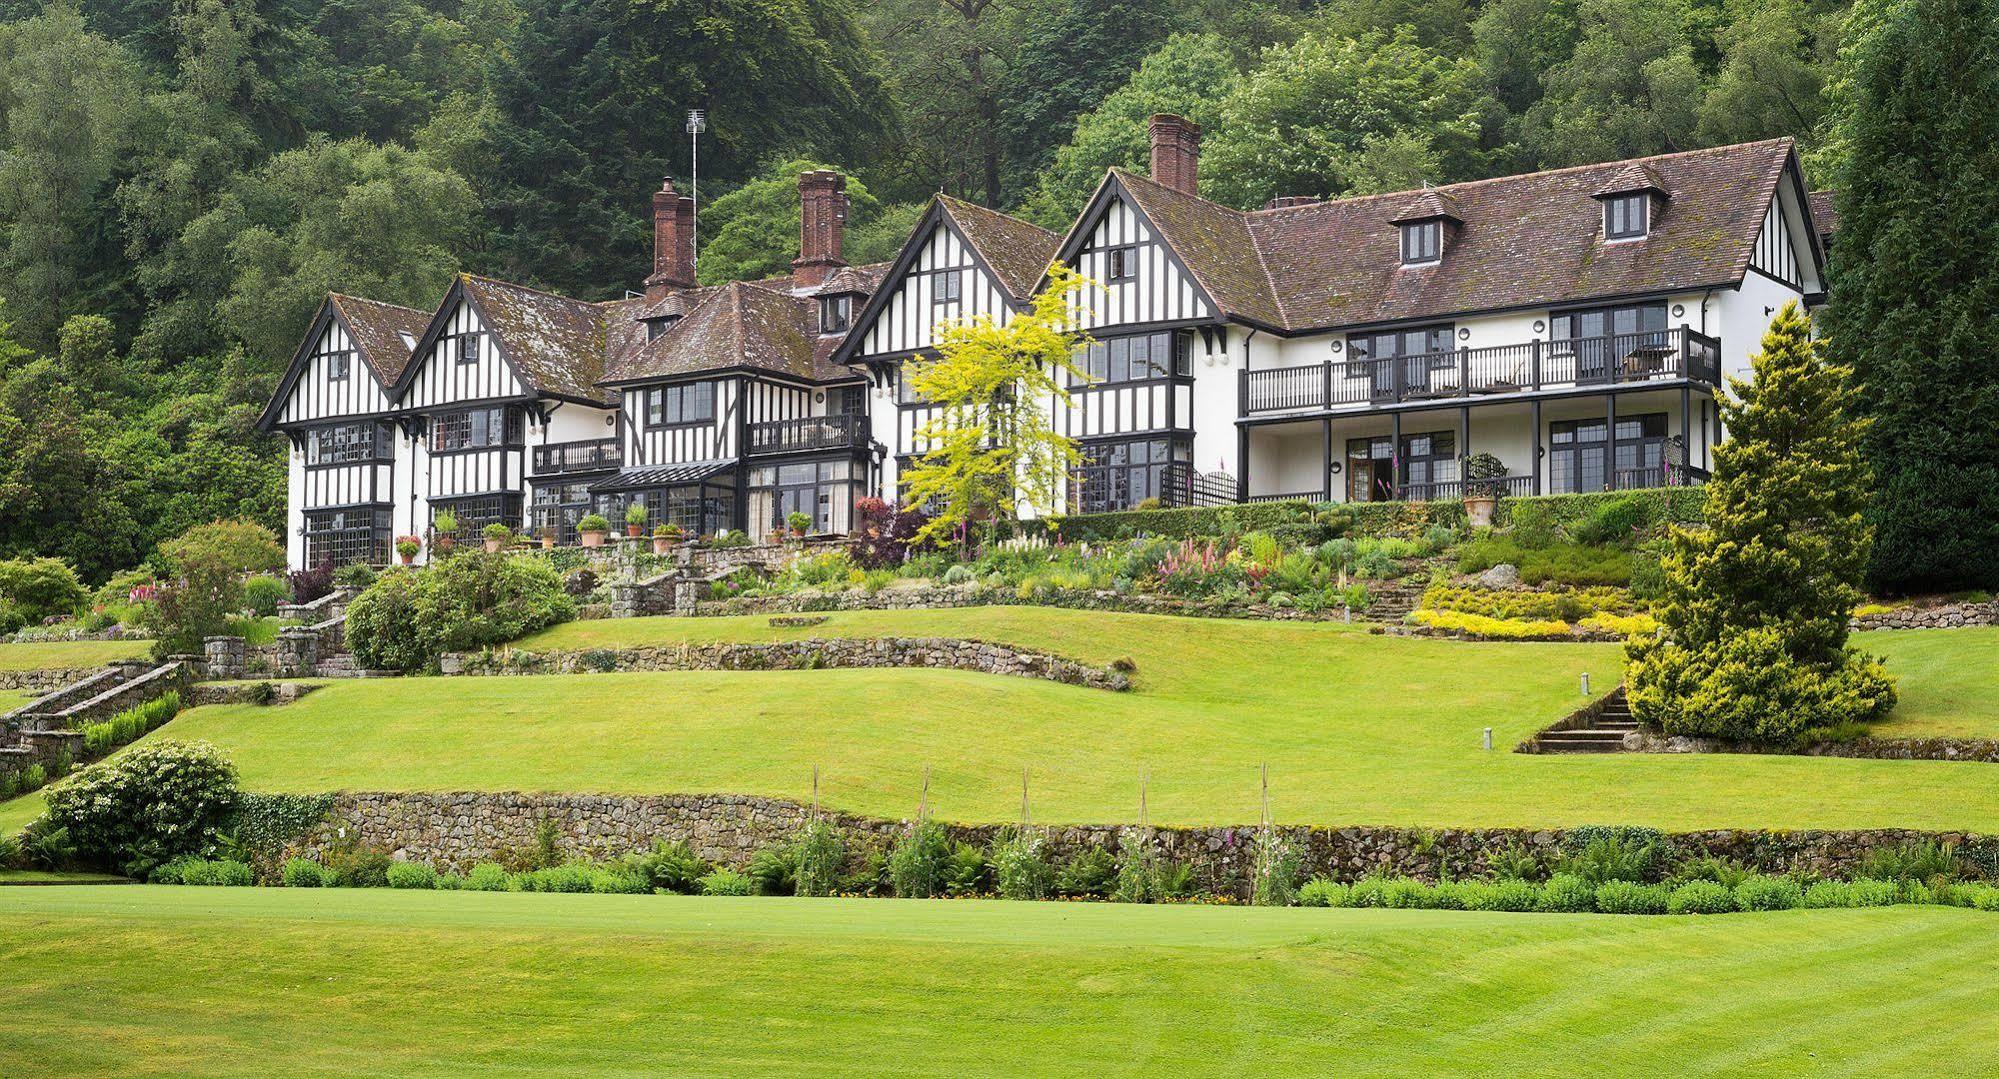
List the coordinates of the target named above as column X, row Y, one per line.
column 741, row 324
column 1522, row 241
column 1018, row 251
column 1428, row 205
column 1824, row 214
column 557, row 343
column 383, row 332
column 1214, row 243
column 1632, row 177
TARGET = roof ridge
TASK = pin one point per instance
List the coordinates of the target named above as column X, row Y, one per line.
column 470, row 276
column 955, row 201
column 1451, row 187
column 331, row 295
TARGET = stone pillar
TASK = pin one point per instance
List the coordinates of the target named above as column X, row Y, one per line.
column 626, row 597
column 686, row 593
column 226, row 656
column 298, row 652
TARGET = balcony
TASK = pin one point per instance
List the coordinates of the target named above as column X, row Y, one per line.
column 1473, row 373
column 811, row 433
column 562, row 458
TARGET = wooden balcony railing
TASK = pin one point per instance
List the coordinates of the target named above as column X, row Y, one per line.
column 596, row 455
column 1616, row 360
column 809, row 433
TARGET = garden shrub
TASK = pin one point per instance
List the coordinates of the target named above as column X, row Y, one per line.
column 617, row 879
column 1403, row 893
column 1276, row 871
column 1494, row 628
column 1616, row 522
column 883, row 533
column 1517, row 896
column 412, row 875
column 1768, row 893
column 1564, row 605
column 1514, row 862
column 359, row 868
column 305, row 873
column 1089, row 875
column 204, row 587
column 966, row 871
column 40, row 588
column 668, row 867
column 1700, row 897
column 1622, row 625
column 357, row 577
column 146, row 806
column 1322, row 892
column 774, row 870
column 486, row 877
column 916, row 865
column 1723, row 871
column 408, row 618
column 305, row 585
column 217, row 873
column 1559, row 563
column 1615, row 854
column 1630, row 897
column 1926, row 860
column 1368, row 891
column 1138, row 869
column 819, row 854
column 568, row 878
column 1567, row 893
column 261, row 595
column 1828, row 894
column 725, row 882
column 1020, row 866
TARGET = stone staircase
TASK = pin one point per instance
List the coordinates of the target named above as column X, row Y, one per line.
column 50, row 727
column 1390, row 602
column 318, row 648
column 1597, row 728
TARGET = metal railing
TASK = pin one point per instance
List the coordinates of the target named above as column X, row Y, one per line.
column 1452, row 490
column 1619, row 359
column 1181, row 486
column 595, row 455
column 810, row 433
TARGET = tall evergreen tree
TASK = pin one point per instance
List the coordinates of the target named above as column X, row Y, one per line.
column 1915, row 285
column 1757, row 603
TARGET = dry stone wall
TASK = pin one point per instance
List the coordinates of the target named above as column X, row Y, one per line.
column 816, row 653
column 1946, row 616
column 455, row 830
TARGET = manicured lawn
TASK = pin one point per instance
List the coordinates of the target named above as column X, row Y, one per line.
column 11, row 699
column 1948, row 681
column 1356, row 729
column 265, row 981
column 42, row 656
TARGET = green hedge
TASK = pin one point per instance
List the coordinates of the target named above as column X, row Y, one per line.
column 1409, row 520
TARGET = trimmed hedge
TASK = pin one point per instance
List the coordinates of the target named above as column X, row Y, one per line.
column 1410, row 520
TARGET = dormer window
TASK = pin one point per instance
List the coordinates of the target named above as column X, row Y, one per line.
column 836, row 313
column 1422, row 242
column 1626, row 217
column 657, row 326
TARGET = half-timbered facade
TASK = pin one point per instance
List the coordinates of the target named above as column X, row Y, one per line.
column 1563, row 331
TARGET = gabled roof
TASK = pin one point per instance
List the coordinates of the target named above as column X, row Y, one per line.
column 377, row 331
column 1825, row 215
column 1429, row 205
column 739, row 325
column 1013, row 253
column 382, row 332
column 1523, row 241
column 1016, row 252
column 556, row 344
column 1634, row 177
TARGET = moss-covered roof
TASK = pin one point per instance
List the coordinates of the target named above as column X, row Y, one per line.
column 1018, row 251
column 382, row 332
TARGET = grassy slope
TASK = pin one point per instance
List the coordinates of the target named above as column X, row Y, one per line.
column 243, row 981
column 1356, row 728
column 11, row 699
column 44, row 655
column 1948, row 681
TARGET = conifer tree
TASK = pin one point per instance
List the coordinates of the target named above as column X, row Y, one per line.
column 1754, row 619
column 1915, row 285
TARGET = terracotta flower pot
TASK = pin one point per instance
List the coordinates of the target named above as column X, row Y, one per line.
column 660, row 544
column 591, row 539
column 441, row 543
column 1478, row 510
column 493, row 546
column 409, row 559
column 548, row 542
column 633, row 530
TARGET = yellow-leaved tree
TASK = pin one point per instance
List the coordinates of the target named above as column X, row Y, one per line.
column 993, row 446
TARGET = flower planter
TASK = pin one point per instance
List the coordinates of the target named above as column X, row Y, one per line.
column 408, row 559
column 591, row 539
column 660, row 544
column 493, row 545
column 1479, row 509
column 441, row 543
column 632, row 531
column 548, row 542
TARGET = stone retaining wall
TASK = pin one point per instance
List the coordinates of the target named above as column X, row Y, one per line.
column 247, row 693
column 46, row 678
column 929, row 597
column 456, row 830
column 1887, row 749
column 1947, row 616
column 814, row 653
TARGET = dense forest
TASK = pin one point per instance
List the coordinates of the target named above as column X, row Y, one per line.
column 182, row 180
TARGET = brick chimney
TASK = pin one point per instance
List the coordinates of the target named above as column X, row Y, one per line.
column 672, row 241
column 822, row 224
column 1176, row 153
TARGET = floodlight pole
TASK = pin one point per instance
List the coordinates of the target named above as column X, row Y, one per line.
column 697, row 122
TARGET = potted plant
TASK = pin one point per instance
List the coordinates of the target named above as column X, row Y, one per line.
column 407, row 547
column 664, row 537
column 799, row 522
column 442, row 524
column 635, row 519
column 592, row 529
column 548, row 539
column 1482, row 473
column 497, row 536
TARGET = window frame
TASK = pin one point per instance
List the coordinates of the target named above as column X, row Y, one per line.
column 1112, row 354
column 380, row 444
column 1121, row 263
column 1614, row 205
column 661, row 416
column 1433, row 231
column 841, row 307
column 954, row 292
column 470, row 347
column 1101, row 483
column 512, row 429
column 339, row 365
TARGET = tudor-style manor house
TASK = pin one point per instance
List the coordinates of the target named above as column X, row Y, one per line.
column 1574, row 324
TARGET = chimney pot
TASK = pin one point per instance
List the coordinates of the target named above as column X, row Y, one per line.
column 822, row 224
column 1176, row 153
column 672, row 241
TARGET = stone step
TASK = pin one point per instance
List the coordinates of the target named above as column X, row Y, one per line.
column 1580, row 747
